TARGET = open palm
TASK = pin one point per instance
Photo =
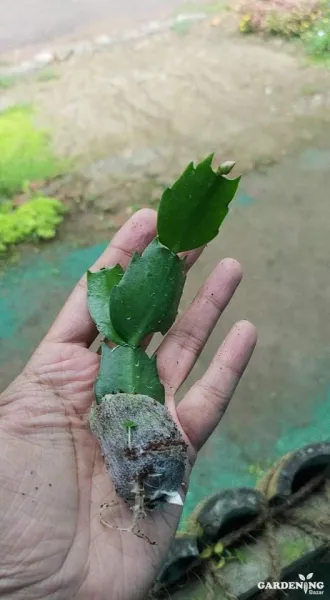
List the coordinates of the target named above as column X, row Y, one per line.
column 52, row 476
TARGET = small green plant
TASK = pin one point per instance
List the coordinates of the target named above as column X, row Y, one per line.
column 129, row 425
column 316, row 39
column 306, row 20
column 288, row 18
column 221, row 555
column 25, row 151
column 37, row 219
column 127, row 307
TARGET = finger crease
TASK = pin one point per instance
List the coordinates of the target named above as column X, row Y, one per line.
column 187, row 340
column 213, row 393
column 123, row 250
column 217, row 303
column 233, row 373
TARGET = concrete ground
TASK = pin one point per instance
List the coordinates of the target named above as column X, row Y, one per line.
column 136, row 114
column 34, row 22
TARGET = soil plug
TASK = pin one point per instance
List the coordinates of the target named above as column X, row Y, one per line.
column 143, row 449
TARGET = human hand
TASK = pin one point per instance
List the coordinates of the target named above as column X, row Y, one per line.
column 52, row 477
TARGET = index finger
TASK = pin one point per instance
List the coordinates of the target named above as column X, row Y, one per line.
column 74, row 324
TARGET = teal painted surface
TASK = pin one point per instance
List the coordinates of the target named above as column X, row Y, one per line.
column 31, row 294
column 220, row 465
column 317, row 431
column 315, row 159
column 243, row 199
column 224, row 464
column 26, row 287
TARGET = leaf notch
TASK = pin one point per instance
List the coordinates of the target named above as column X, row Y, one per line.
column 192, row 210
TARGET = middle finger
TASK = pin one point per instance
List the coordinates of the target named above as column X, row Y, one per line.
column 183, row 344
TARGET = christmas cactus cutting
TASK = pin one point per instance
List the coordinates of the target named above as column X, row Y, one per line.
column 143, row 449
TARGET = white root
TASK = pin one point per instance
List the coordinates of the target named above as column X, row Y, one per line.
column 138, row 513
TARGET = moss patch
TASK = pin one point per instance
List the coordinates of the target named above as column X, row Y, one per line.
column 292, row 551
column 37, row 219
column 25, row 151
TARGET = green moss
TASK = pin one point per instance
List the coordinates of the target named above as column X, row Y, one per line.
column 258, row 470
column 25, row 151
column 292, row 551
column 37, row 219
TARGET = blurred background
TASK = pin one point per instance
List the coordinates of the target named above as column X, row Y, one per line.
column 102, row 104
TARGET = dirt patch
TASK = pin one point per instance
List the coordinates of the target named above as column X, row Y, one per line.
column 135, row 115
